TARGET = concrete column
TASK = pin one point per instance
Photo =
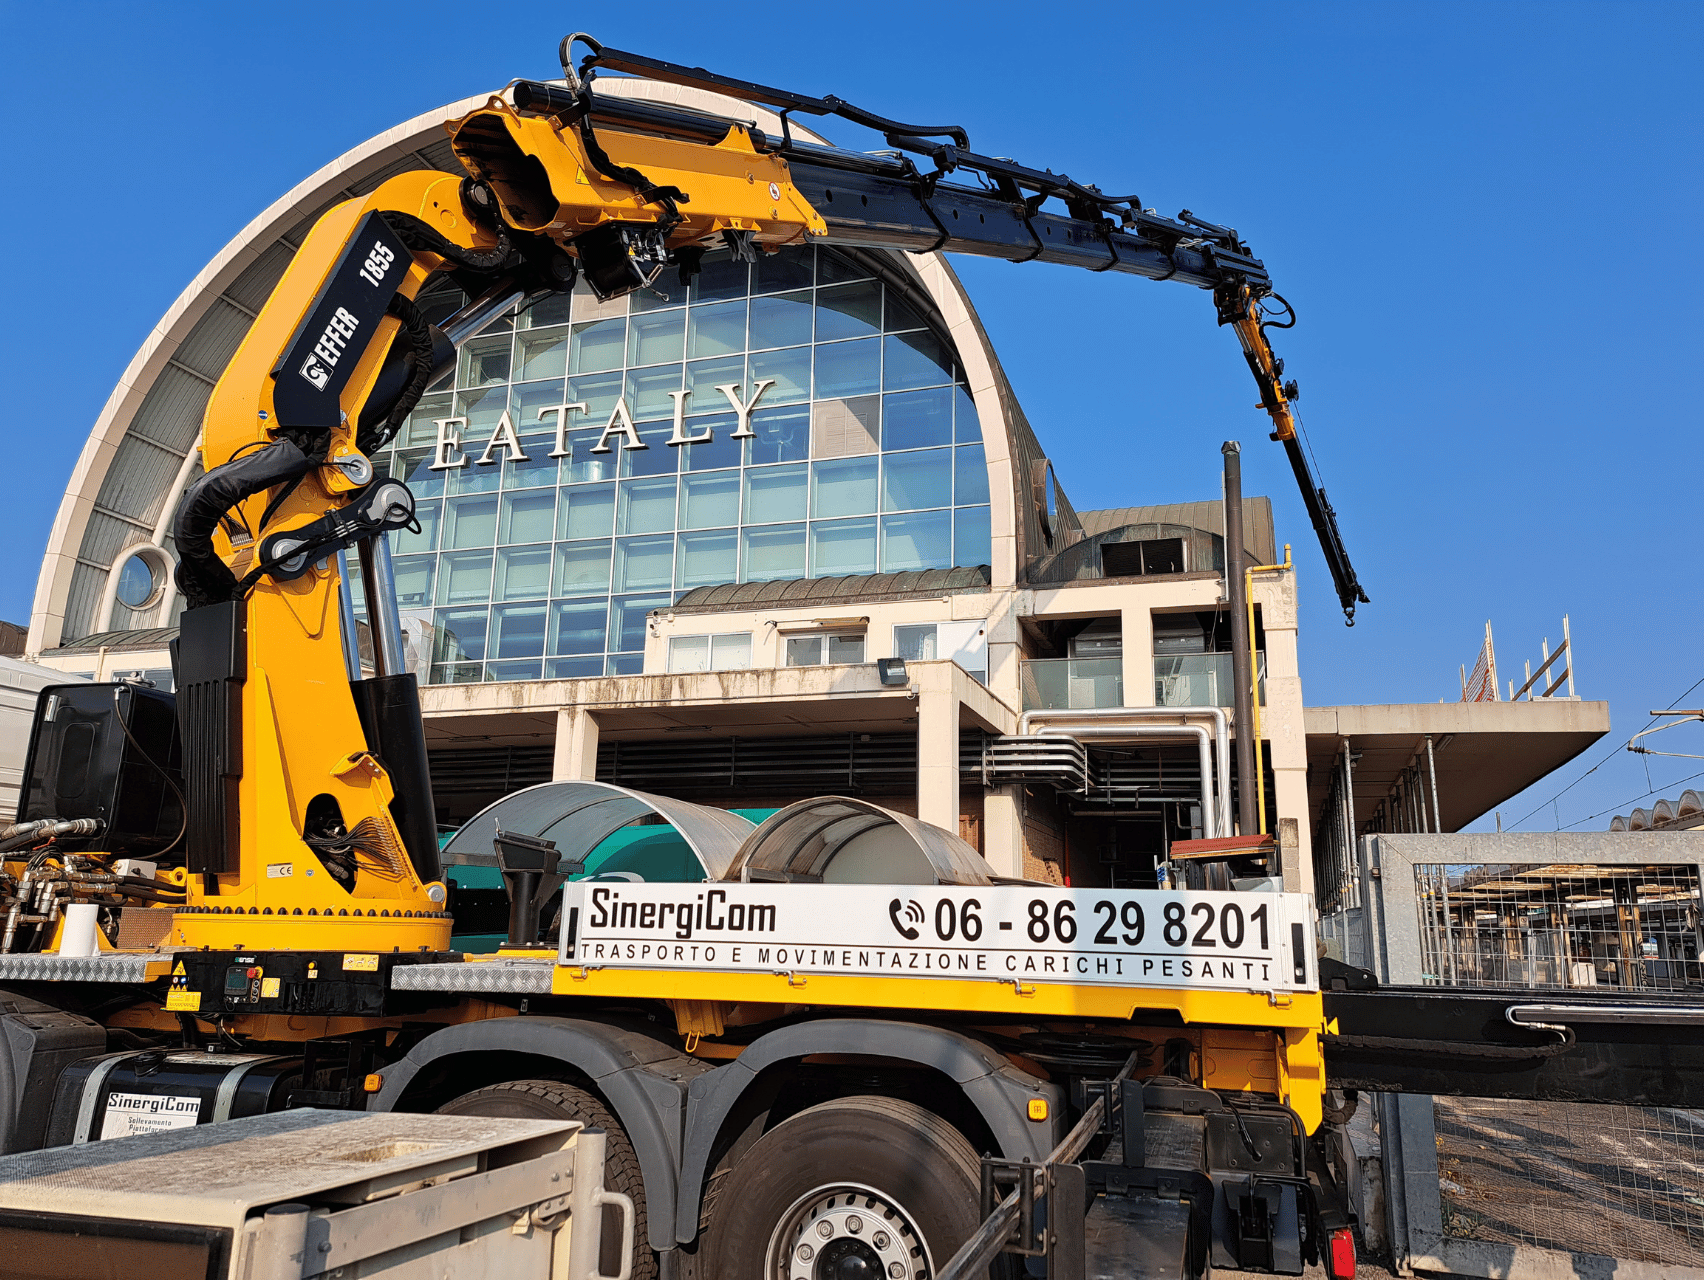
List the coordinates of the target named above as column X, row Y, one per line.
column 937, row 746
column 1138, row 628
column 576, row 758
column 1003, row 829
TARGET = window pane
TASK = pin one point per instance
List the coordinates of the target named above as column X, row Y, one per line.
column 583, row 464
column 656, row 458
column 917, row 419
column 790, row 370
column 459, row 634
column 971, row 541
column 648, row 391
column 722, row 449
column 970, row 477
column 720, row 277
column 574, row 668
column 582, row 567
column 644, row 564
column 551, row 309
column 914, row 360
column 780, row 435
column 422, row 427
column 849, row 311
column 717, row 330
column 523, row 573
column 845, row 649
column 773, row 553
column 834, row 266
column 898, row 315
column 911, row 480
column 967, row 426
column 845, row 546
column 710, row 500
column 586, row 512
column 914, row 643
column 627, row 620
column 538, row 467
column 517, row 631
column 427, row 515
column 689, row 653
column 415, row 470
column 656, row 338
column 848, row 368
column 920, row 541
column 413, row 579
column 647, row 506
column 624, row 664
column 704, row 376
column 789, row 268
column 577, row 626
column 464, row 577
column 730, row 652
column 484, row 361
column 781, row 321
column 472, row 522
column 804, row 651
column 598, row 392
column 775, row 493
column 542, row 355
column 483, row 411
column 512, row 670
column 844, row 487
column 665, row 291
column 707, row 559
column 529, row 516
column 599, row 345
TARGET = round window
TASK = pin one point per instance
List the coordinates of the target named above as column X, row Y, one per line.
column 136, row 582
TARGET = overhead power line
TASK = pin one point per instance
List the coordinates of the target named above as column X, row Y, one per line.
column 1604, row 759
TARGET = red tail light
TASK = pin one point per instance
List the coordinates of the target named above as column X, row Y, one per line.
column 1340, row 1258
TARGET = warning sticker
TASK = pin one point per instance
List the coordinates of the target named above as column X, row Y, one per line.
column 129, row 1114
column 269, row 988
column 280, row 870
column 183, row 1002
column 360, row 964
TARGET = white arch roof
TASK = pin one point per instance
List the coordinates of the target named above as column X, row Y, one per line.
column 141, row 450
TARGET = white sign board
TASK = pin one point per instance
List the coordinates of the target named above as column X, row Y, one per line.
column 1007, row 933
column 128, row 1114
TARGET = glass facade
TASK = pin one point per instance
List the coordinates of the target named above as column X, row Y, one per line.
column 827, row 431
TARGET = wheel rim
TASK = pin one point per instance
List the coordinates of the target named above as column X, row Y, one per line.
column 846, row 1231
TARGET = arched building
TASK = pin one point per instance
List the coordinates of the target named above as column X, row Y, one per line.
column 866, row 591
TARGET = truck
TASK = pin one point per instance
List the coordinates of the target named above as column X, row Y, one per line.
column 231, row 900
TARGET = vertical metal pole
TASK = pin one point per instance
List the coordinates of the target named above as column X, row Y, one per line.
column 378, row 584
column 346, row 625
column 1432, row 767
column 1242, row 677
column 1568, row 640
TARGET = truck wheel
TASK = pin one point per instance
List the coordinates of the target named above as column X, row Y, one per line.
column 553, row 1100
column 861, row 1188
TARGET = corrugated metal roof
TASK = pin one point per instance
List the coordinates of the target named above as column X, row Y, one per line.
column 868, row 586
column 1208, row 516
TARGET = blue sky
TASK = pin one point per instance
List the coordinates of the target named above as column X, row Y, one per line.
column 1483, row 213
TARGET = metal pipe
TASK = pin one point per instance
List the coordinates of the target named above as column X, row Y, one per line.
column 1242, row 677
column 1254, row 681
column 1203, row 755
column 347, row 625
column 487, row 308
column 378, row 585
column 1432, row 768
column 1092, row 715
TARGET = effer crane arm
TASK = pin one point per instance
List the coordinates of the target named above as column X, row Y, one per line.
column 566, row 182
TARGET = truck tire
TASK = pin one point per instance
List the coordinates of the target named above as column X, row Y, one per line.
column 553, row 1100
column 845, row 1190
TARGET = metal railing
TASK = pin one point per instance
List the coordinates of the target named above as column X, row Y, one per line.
column 1198, row 680
column 1073, row 684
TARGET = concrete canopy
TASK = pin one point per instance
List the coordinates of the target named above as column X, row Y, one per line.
column 1485, row 752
